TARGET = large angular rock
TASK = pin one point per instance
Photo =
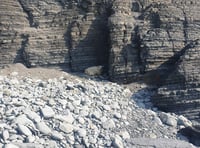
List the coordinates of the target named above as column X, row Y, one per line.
column 159, row 143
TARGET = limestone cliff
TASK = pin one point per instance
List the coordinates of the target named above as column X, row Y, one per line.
column 154, row 41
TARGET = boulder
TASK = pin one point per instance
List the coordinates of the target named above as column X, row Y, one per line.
column 94, row 71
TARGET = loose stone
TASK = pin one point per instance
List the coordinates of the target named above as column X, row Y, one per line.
column 43, row 128
column 33, row 116
column 117, row 142
column 109, row 124
column 66, row 127
column 24, row 130
column 57, row 136
column 11, row 146
column 47, row 112
column 168, row 119
column 82, row 132
column 5, row 135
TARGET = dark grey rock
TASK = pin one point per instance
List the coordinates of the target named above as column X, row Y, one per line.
column 159, row 143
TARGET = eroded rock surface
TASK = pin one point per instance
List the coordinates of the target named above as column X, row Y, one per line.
column 153, row 41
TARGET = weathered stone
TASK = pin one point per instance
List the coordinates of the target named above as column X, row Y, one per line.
column 124, row 135
column 30, row 139
column 33, row 116
column 47, row 112
column 93, row 71
column 184, row 121
column 159, row 143
column 168, row 119
column 66, row 127
column 82, row 132
column 109, row 124
column 24, row 130
column 43, row 128
column 11, row 146
column 23, row 120
column 57, row 136
column 5, row 135
column 66, row 118
column 117, row 142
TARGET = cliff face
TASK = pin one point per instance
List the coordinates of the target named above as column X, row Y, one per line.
column 151, row 40
column 54, row 32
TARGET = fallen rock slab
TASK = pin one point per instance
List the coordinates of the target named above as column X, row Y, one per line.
column 159, row 143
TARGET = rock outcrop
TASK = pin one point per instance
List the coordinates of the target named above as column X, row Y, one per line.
column 73, row 34
column 155, row 41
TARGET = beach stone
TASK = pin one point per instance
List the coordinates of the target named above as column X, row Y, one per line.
column 109, row 124
column 57, row 136
column 5, row 135
column 11, row 146
column 93, row 71
column 168, row 119
column 33, row 116
column 66, row 127
column 65, row 118
column 82, row 132
column 125, row 135
column 47, row 112
column 43, row 128
column 23, row 120
column 30, row 139
column 24, row 130
column 117, row 142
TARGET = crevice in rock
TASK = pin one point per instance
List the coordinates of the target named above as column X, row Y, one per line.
column 24, row 43
column 162, row 75
column 68, row 42
column 170, row 38
column 88, row 39
column 155, row 20
column 185, row 26
column 137, row 45
column 28, row 13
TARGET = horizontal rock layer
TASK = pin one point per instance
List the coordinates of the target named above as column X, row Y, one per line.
column 153, row 40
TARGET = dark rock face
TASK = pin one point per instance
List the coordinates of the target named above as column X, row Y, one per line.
column 192, row 133
column 52, row 32
column 171, row 55
column 155, row 41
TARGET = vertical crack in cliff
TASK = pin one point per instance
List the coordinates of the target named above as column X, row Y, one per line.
column 137, row 45
column 185, row 26
column 28, row 13
column 170, row 39
column 68, row 42
column 24, row 43
column 125, row 55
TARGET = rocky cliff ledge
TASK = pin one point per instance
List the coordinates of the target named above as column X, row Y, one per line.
column 151, row 40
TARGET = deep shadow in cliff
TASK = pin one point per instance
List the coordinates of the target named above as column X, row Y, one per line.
column 176, row 92
column 19, row 57
column 192, row 133
column 159, row 76
column 88, row 43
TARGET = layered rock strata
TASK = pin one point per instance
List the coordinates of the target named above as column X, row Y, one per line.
column 44, row 33
column 150, row 40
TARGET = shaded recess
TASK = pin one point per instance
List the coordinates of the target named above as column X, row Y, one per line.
column 12, row 25
column 192, row 133
column 89, row 37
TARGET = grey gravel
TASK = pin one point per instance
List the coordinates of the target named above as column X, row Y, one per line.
column 72, row 112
